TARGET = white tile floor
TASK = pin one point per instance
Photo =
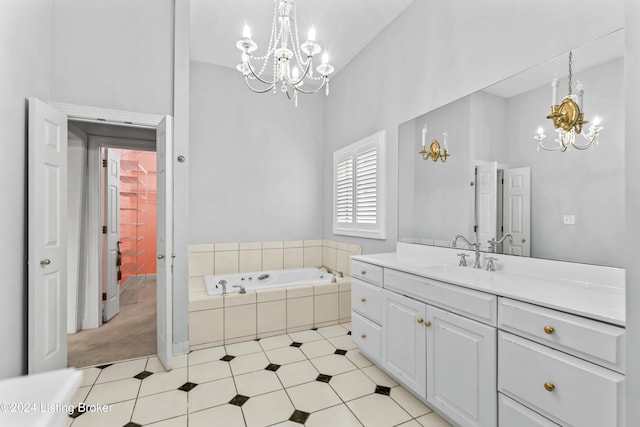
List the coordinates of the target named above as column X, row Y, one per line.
column 312, row 378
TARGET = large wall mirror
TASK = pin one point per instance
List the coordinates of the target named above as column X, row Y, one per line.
column 567, row 206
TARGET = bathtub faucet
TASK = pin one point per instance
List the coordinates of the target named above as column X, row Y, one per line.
column 242, row 289
column 223, row 283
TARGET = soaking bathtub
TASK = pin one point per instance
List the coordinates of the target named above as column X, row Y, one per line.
column 266, row 279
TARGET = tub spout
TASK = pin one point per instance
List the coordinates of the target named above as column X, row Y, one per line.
column 223, row 283
column 326, row 268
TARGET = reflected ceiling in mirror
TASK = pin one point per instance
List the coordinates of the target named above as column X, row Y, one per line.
column 567, row 206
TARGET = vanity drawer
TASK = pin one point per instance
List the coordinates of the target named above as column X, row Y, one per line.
column 367, row 300
column 568, row 390
column 598, row 342
column 365, row 271
column 470, row 303
column 366, row 335
column 511, row 413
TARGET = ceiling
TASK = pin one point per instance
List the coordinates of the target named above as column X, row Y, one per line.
column 344, row 27
column 600, row 51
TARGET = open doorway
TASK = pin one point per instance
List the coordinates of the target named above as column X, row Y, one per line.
column 126, row 295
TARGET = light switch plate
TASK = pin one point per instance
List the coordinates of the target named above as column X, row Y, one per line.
column 569, row 219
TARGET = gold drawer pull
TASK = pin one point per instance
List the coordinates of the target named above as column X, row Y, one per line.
column 549, row 386
column 427, row 323
column 549, row 330
column 363, row 299
column 363, row 272
column 363, row 336
column 420, row 319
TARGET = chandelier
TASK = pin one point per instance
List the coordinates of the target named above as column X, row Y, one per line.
column 568, row 119
column 292, row 61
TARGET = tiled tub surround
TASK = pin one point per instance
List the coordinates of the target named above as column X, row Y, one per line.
column 535, row 343
column 216, row 320
column 311, row 378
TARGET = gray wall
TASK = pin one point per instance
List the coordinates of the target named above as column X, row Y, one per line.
column 114, row 54
column 389, row 83
column 632, row 174
column 25, row 55
column 256, row 161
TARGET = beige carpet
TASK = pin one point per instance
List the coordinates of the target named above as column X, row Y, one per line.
column 131, row 333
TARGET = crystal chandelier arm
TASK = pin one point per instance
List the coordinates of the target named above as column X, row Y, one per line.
column 311, row 92
column 246, row 79
column 590, row 140
column 253, row 73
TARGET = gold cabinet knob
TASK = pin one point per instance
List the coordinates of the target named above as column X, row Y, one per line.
column 420, row 319
column 363, row 272
column 363, row 299
column 549, row 330
column 427, row 323
column 363, row 336
column 549, row 386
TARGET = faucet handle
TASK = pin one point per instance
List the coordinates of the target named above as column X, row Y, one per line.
column 463, row 259
column 491, row 265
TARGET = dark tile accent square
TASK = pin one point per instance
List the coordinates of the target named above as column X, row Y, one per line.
column 272, row 367
column 340, row 352
column 380, row 389
column 295, row 344
column 299, row 417
column 132, row 424
column 104, row 366
column 257, row 339
column 188, row 386
column 76, row 413
column 349, row 333
column 239, row 400
column 142, row 375
column 314, row 329
column 227, row 358
column 323, row 378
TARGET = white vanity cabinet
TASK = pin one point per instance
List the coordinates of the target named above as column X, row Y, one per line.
column 367, row 304
column 560, row 365
column 461, row 368
column 404, row 344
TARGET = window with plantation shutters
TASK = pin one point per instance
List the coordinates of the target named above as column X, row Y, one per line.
column 359, row 188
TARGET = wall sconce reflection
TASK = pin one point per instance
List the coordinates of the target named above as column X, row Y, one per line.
column 435, row 151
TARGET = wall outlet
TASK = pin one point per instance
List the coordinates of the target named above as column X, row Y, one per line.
column 569, row 219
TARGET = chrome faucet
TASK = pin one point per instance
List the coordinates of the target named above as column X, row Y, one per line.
column 223, row 283
column 242, row 289
column 328, row 270
column 475, row 245
column 493, row 244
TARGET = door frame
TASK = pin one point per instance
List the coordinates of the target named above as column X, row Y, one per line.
column 107, row 116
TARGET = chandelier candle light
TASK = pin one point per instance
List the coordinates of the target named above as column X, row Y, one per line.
column 568, row 119
column 292, row 63
column 434, row 152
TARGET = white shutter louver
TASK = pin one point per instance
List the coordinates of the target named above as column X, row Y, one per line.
column 358, row 188
column 366, row 187
column 344, row 191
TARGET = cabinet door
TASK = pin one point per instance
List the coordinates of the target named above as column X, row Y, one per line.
column 461, row 368
column 404, row 345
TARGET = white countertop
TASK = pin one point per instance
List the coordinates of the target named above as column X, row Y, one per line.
column 570, row 288
column 40, row 400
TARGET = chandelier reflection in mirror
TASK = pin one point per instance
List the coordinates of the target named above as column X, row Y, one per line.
column 292, row 61
column 568, row 119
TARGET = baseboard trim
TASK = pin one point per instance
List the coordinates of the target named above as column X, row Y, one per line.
column 180, row 348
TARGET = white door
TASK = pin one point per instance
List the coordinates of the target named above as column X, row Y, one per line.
column 517, row 211
column 164, row 281
column 47, row 238
column 461, row 368
column 487, row 202
column 112, row 236
column 404, row 352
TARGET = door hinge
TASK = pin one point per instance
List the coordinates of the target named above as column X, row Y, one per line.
column 475, row 228
column 104, row 296
column 104, row 229
column 104, row 163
